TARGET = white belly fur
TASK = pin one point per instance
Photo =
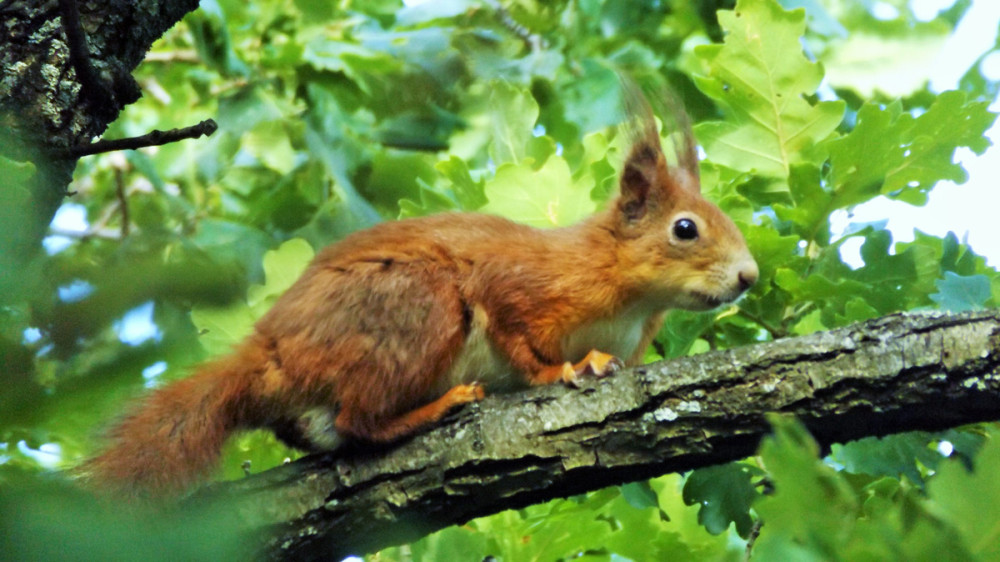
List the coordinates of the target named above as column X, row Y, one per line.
column 479, row 361
column 618, row 335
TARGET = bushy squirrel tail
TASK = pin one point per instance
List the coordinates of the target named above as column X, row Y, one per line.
column 173, row 439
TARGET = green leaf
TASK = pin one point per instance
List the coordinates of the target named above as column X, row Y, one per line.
column 431, row 201
column 15, row 173
column 819, row 18
column 315, row 10
column 544, row 198
column 676, row 538
column 551, row 531
column 892, row 455
column 682, row 330
column 514, row 112
column 243, row 109
column 454, row 543
column 891, row 152
column 213, row 41
column 419, row 130
column 427, row 11
column 282, row 267
column 269, row 142
column 593, row 101
column 956, row 257
column 760, row 76
column 957, row 293
column 223, row 327
column 397, row 175
column 600, row 172
column 897, row 281
column 812, row 204
column 812, row 512
column 724, row 493
column 350, row 58
column 772, row 250
column 816, row 287
column 856, row 309
column 639, row 495
column 228, row 241
column 42, row 516
column 340, row 153
column 970, row 502
column 469, row 193
column 20, row 268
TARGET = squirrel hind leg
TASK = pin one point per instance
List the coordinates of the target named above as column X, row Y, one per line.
column 412, row 421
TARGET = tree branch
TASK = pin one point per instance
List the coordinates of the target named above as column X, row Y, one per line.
column 152, row 138
column 902, row 372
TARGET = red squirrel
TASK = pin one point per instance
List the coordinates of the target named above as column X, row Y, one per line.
column 392, row 327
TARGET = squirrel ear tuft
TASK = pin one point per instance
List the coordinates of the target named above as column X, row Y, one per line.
column 639, row 176
column 649, row 177
column 680, row 164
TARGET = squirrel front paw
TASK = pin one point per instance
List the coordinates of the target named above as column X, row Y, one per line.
column 596, row 363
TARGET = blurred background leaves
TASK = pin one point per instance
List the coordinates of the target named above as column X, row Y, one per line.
column 335, row 116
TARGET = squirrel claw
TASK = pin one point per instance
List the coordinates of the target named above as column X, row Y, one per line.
column 478, row 391
column 570, row 374
column 595, row 363
column 465, row 393
column 602, row 364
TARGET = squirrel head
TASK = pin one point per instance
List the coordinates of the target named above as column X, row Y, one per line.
column 682, row 250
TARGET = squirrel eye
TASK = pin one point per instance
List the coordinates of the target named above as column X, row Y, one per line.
column 685, row 229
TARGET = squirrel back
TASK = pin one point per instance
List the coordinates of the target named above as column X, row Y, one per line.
column 390, row 328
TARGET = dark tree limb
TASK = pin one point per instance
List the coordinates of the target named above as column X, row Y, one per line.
column 66, row 70
column 902, row 372
column 79, row 55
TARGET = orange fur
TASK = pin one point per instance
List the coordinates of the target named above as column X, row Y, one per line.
column 393, row 326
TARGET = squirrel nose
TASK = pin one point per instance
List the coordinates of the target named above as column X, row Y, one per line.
column 747, row 275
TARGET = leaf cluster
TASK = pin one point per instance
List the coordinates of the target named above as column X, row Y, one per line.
column 334, row 116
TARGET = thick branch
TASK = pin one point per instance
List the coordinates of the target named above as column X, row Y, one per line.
column 901, row 372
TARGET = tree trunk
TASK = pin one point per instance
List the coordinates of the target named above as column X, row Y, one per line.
column 45, row 106
column 915, row 371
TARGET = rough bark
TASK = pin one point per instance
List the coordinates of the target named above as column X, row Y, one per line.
column 902, row 372
column 43, row 108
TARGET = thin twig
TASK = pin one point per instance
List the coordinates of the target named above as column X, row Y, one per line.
column 153, row 138
column 751, row 539
column 534, row 41
column 777, row 332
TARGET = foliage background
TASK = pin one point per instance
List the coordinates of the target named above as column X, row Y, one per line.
column 334, row 116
